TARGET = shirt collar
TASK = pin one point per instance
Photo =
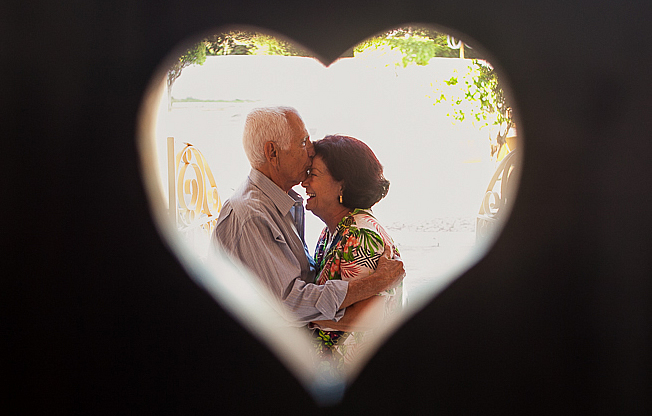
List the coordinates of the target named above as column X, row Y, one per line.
column 283, row 201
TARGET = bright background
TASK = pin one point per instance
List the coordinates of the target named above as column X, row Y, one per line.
column 438, row 170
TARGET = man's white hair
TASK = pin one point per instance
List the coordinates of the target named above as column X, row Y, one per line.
column 266, row 124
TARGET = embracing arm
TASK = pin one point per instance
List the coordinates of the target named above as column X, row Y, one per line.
column 360, row 316
column 388, row 274
column 265, row 251
column 362, row 306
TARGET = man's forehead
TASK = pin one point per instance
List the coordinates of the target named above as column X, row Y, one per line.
column 301, row 133
column 296, row 122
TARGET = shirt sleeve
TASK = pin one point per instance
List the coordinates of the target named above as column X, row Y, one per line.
column 262, row 248
column 361, row 251
column 366, row 249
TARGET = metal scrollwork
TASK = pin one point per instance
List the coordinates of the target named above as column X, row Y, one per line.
column 499, row 194
column 193, row 192
column 491, row 203
column 452, row 42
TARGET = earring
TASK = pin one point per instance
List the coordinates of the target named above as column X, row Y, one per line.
column 340, row 199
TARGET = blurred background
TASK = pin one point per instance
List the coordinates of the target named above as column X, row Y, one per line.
column 430, row 107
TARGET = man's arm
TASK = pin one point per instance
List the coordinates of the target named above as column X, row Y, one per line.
column 388, row 274
column 361, row 316
column 261, row 248
column 365, row 314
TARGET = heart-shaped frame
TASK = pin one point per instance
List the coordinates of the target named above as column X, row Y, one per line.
column 241, row 293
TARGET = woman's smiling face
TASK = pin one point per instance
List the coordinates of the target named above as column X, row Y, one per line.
column 323, row 191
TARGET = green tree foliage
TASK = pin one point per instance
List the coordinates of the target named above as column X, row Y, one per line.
column 494, row 101
column 416, row 44
column 249, row 43
column 473, row 96
column 476, row 96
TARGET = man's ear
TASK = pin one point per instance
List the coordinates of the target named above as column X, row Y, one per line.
column 271, row 153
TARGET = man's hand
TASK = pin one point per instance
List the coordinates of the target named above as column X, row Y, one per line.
column 388, row 274
column 391, row 266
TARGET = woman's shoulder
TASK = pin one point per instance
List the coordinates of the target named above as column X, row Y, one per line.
column 363, row 219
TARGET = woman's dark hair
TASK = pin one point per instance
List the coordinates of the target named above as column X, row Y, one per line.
column 351, row 161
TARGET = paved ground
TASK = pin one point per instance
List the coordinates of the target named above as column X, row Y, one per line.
column 433, row 259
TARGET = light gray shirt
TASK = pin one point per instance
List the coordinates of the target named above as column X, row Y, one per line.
column 256, row 226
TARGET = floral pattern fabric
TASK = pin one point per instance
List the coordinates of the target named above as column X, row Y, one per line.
column 351, row 252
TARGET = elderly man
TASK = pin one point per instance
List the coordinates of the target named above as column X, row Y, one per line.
column 262, row 223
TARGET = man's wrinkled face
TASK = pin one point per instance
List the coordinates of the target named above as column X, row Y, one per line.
column 295, row 161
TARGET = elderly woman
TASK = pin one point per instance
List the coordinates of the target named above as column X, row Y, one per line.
column 345, row 181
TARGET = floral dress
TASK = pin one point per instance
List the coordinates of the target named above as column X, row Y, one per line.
column 352, row 251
